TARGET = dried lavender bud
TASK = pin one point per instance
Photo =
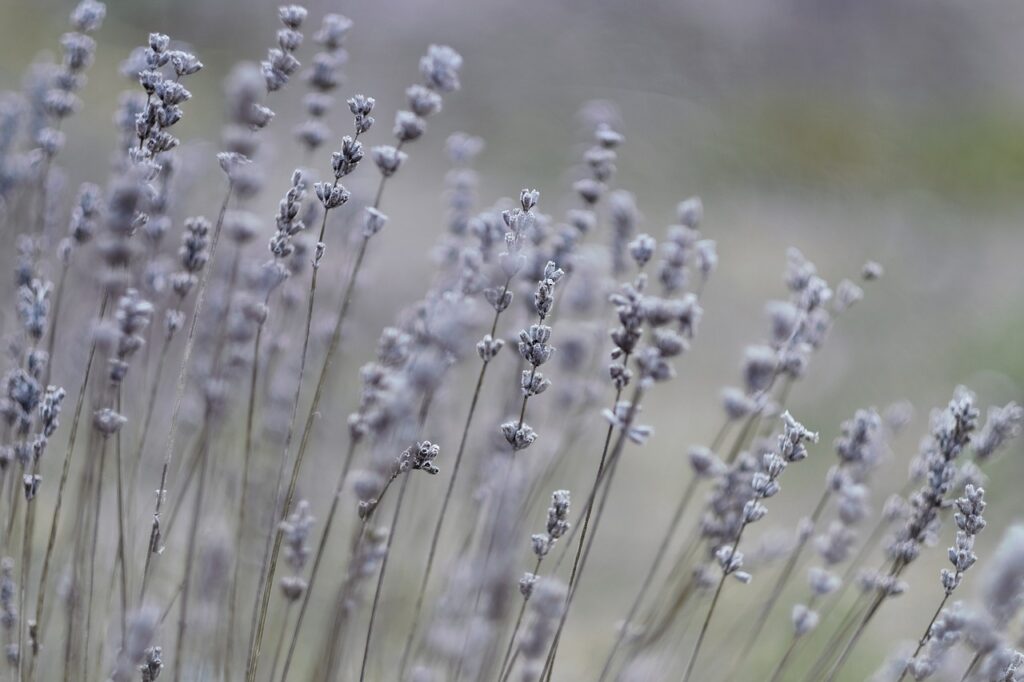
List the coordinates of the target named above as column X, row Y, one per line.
column 533, row 383
column 30, row 484
column 642, row 249
column 408, row 126
column 361, row 106
column 331, row 195
column 526, row 584
column 804, row 620
column 422, row 101
column 590, row 190
column 487, row 348
column 49, row 409
column 373, row 221
column 705, row 463
column 440, row 68
column 558, row 514
column 108, row 422
column 846, row 295
column 88, row 16
column 871, row 271
column 736, row 403
column 794, row 435
column 153, row 664
column 690, row 212
column 619, row 417
column 344, row 161
column 541, row 544
column 295, row 532
column 193, row 253
column 34, row 308
column 519, row 437
column 421, row 456
column 759, row 366
column 1001, row 425
column 533, row 344
column 388, row 159
column 731, row 561
column 184, row 63
column 822, row 582
column 607, row 137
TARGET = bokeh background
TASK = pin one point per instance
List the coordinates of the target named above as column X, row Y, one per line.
column 853, row 130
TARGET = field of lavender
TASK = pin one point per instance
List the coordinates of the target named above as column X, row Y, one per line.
column 283, row 403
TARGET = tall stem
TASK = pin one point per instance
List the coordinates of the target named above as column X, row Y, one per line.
column 179, row 394
column 507, row 662
column 190, row 558
column 380, row 577
column 439, row 524
column 254, row 652
column 925, row 637
column 648, row 580
column 51, row 542
column 616, row 452
column 307, row 431
column 780, row 584
column 318, row 557
column 242, row 502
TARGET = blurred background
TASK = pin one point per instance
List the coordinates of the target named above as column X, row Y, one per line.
column 874, row 129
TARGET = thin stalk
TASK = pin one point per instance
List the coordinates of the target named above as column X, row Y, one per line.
column 65, row 470
column 575, row 577
column 280, row 639
column 861, row 627
column 783, row 662
column 439, row 524
column 122, row 536
column 780, row 584
column 714, row 602
column 242, row 502
column 925, row 637
column 151, row 399
column 97, row 508
column 970, row 668
column 190, row 557
column 507, row 662
column 307, row 430
column 318, row 557
column 26, row 562
column 51, row 340
column 648, row 580
column 620, row 444
column 179, row 393
column 380, row 577
column 845, row 628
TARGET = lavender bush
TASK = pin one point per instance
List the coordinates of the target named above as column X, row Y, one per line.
column 185, row 497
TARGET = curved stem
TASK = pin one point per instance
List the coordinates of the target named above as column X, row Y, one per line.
column 925, row 637
column 649, row 577
column 190, row 558
column 620, row 444
column 62, row 486
column 780, row 585
column 304, row 443
column 179, row 393
column 318, row 557
column 242, row 502
column 380, row 577
column 507, row 662
column 439, row 524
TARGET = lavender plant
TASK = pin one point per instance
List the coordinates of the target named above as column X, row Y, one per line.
column 263, row 536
